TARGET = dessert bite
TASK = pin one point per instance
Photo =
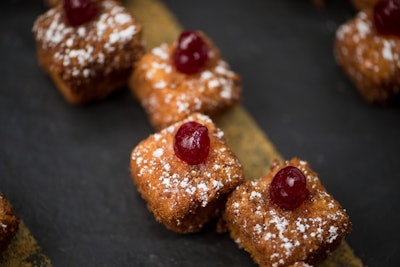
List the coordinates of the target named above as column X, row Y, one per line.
column 174, row 80
column 286, row 217
column 185, row 173
column 368, row 47
column 87, row 47
column 9, row 223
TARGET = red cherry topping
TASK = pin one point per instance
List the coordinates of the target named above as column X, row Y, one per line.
column 79, row 12
column 288, row 189
column 386, row 17
column 192, row 143
column 191, row 53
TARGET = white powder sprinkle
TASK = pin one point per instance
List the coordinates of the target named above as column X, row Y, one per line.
column 69, row 42
column 123, row 36
column 191, row 190
column 160, row 84
column 213, row 83
column 122, row 18
column 139, row 160
column 226, row 93
column 363, row 28
column 332, row 234
column 157, row 136
column 254, row 195
column 258, row 229
column 219, row 134
column 167, row 167
column 161, row 52
column 217, row 184
column 206, row 75
column 158, row 152
column 202, row 186
column 184, row 183
column 387, row 51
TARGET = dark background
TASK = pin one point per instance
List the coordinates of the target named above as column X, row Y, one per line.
column 65, row 168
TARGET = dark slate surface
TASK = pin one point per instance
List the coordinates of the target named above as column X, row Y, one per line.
column 65, row 168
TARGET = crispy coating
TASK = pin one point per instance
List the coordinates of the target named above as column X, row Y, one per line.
column 370, row 60
column 277, row 237
column 169, row 96
column 90, row 61
column 181, row 196
column 9, row 223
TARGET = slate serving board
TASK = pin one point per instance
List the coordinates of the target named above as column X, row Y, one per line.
column 65, row 168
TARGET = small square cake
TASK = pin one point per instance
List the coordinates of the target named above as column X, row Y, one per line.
column 174, row 80
column 286, row 217
column 9, row 223
column 370, row 59
column 185, row 173
column 88, row 57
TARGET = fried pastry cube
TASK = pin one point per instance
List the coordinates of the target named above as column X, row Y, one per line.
column 89, row 61
column 369, row 59
column 182, row 196
column 168, row 95
column 275, row 236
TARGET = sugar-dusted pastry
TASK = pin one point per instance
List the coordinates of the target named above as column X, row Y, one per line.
column 87, row 47
column 286, row 217
column 174, row 80
column 368, row 48
column 9, row 223
column 185, row 173
column 363, row 4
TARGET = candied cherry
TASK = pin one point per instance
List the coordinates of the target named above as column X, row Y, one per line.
column 192, row 143
column 79, row 12
column 288, row 189
column 191, row 53
column 386, row 17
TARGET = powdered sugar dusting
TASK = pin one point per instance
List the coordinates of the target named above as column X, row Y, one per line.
column 158, row 152
column 287, row 236
column 177, row 183
column 371, row 58
column 387, row 51
column 176, row 95
column 83, row 50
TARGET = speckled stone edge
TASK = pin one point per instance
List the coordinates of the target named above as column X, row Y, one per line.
column 24, row 251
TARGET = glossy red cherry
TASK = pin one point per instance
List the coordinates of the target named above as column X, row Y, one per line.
column 79, row 12
column 288, row 189
column 386, row 17
column 191, row 53
column 192, row 143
